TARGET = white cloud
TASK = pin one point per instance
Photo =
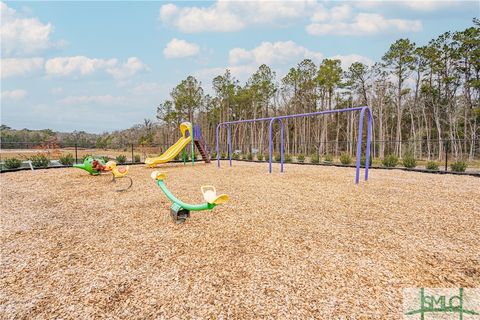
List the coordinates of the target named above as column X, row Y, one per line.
column 11, row 67
column 416, row 5
column 364, row 24
column 82, row 66
column 151, row 88
column 22, row 36
column 177, row 48
column 128, row 69
column 273, row 53
column 14, row 95
column 227, row 16
column 101, row 100
column 57, row 90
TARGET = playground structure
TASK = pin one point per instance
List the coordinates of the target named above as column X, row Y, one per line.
column 92, row 165
column 180, row 210
column 118, row 173
column 280, row 119
column 97, row 166
column 190, row 135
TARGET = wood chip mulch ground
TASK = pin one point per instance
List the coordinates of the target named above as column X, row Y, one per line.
column 308, row 243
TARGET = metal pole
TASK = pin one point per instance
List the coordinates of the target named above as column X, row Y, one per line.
column 76, row 156
column 446, row 154
column 359, row 146
column 229, row 141
column 218, row 146
column 369, row 132
column 282, row 157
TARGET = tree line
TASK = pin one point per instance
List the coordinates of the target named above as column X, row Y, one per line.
column 421, row 97
column 424, row 98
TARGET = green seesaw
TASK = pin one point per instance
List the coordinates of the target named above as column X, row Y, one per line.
column 180, row 210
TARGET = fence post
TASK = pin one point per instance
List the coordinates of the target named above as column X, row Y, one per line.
column 76, row 155
column 446, row 146
column 132, row 154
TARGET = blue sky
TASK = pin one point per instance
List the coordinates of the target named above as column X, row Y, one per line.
column 102, row 66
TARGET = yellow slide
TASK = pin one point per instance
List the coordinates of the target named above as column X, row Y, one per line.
column 174, row 150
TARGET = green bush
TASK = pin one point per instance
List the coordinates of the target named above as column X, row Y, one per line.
column 259, row 157
column 235, row 156
column 250, row 156
column 39, row 160
column 432, row 165
column 106, row 158
column 213, row 155
column 136, row 158
column 86, row 156
column 409, row 160
column 12, row 163
column 267, row 157
column 390, row 161
column 363, row 160
column 301, row 158
column 345, row 158
column 328, row 158
column 277, row 157
column 223, row 155
column 66, row 160
column 121, row 159
column 459, row 166
column 315, row 159
column 287, row 157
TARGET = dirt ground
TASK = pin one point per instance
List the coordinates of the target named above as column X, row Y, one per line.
column 308, row 243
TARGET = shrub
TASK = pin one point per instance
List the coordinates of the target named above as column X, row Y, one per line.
column 223, row 155
column 345, row 158
column 235, row 156
column 66, row 160
column 409, row 160
column 363, row 160
column 277, row 157
column 121, row 159
column 315, row 159
column 136, row 158
column 86, row 156
column 328, row 158
column 432, row 165
column 287, row 158
column 267, row 157
column 213, row 155
column 459, row 166
column 39, row 160
column 12, row 163
column 250, row 156
column 106, row 158
column 301, row 158
column 390, row 161
column 260, row 157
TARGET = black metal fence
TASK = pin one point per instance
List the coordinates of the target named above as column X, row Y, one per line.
column 443, row 152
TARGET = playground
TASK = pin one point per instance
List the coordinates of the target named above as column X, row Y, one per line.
column 308, row 243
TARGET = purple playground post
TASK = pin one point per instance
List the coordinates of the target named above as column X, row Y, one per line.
column 280, row 119
column 229, row 142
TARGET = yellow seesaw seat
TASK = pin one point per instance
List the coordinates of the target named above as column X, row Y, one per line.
column 210, row 195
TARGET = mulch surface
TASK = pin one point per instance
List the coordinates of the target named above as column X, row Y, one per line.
column 308, row 243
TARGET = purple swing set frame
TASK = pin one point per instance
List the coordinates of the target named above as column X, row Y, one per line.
column 302, row 115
